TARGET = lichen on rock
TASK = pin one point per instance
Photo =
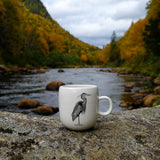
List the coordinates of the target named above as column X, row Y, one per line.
column 125, row 135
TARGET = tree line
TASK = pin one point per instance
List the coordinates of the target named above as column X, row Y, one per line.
column 139, row 48
column 29, row 36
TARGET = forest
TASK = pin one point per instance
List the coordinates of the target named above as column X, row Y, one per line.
column 139, row 49
column 30, row 37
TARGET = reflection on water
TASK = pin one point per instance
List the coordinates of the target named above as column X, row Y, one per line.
column 14, row 88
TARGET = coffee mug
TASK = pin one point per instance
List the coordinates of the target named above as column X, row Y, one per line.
column 79, row 106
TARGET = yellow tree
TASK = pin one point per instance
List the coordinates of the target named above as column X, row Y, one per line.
column 10, row 27
column 55, row 42
column 153, row 9
column 83, row 56
column 103, row 56
column 132, row 43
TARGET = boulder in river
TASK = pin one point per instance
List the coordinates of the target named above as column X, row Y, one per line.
column 157, row 90
column 27, row 104
column 156, row 81
column 24, row 70
column 124, row 104
column 54, row 85
column 41, row 70
column 60, row 70
column 46, row 110
column 150, row 99
column 128, row 87
column 3, row 69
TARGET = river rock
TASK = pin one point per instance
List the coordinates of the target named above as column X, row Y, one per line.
column 138, row 100
column 105, row 70
column 157, row 90
column 150, row 99
column 127, row 135
column 128, row 87
column 108, row 70
column 132, row 105
column 54, row 85
column 4, row 69
column 138, row 96
column 138, row 103
column 156, row 81
column 27, row 104
column 102, row 70
column 60, row 70
column 144, row 91
column 24, row 70
column 147, row 78
column 46, row 110
column 41, row 70
column 125, row 104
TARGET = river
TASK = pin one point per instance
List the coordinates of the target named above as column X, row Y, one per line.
column 15, row 87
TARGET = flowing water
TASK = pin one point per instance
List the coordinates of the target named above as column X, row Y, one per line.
column 15, row 87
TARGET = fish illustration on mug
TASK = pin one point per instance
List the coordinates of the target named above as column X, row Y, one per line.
column 80, row 108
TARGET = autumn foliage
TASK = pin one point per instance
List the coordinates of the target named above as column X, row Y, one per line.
column 132, row 43
column 29, row 36
column 139, row 48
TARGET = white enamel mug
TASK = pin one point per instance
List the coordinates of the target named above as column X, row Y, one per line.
column 79, row 106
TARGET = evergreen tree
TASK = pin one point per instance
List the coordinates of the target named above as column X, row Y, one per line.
column 114, row 55
column 152, row 29
column 152, row 36
column 113, row 37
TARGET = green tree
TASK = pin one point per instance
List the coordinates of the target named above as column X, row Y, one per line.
column 55, row 59
column 113, row 37
column 152, row 28
column 11, row 41
column 114, row 55
column 152, row 36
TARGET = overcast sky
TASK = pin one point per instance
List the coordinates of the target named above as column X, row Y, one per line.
column 93, row 21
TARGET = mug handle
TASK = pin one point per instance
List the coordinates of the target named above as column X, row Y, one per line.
column 110, row 105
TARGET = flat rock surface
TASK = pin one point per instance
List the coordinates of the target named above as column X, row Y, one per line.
column 128, row 135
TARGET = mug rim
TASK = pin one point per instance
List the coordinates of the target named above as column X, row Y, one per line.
column 78, row 86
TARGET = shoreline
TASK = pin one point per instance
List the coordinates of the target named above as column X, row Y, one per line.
column 147, row 97
column 33, row 70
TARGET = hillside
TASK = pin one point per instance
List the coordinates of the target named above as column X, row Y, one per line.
column 139, row 49
column 37, row 7
column 29, row 36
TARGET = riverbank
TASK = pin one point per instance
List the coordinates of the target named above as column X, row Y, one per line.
column 116, row 136
column 13, row 69
column 16, row 87
column 147, row 97
column 30, row 83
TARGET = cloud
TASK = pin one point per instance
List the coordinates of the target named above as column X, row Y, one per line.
column 93, row 21
column 130, row 10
